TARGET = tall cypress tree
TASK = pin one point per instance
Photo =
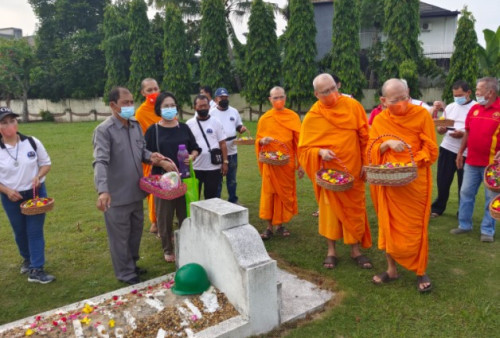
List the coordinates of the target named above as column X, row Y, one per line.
column 345, row 50
column 158, row 33
column 464, row 60
column 214, row 62
column 141, row 43
column 262, row 59
column 115, row 46
column 299, row 66
column 175, row 56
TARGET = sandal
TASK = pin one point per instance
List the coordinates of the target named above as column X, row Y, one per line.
column 283, row 231
column 267, row 234
column 421, row 280
column 316, row 213
column 363, row 262
column 384, row 278
column 169, row 258
column 330, row 262
column 153, row 229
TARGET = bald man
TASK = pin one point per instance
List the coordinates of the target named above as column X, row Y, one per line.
column 336, row 128
column 403, row 211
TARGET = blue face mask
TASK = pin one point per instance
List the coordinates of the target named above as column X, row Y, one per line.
column 127, row 112
column 460, row 100
column 169, row 113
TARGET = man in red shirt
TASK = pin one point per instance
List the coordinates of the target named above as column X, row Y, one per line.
column 482, row 141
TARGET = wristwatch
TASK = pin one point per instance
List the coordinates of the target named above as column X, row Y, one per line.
column 226, row 162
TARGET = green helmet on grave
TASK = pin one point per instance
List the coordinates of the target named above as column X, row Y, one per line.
column 191, row 279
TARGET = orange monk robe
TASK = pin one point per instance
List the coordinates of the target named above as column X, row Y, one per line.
column 343, row 129
column 278, row 193
column 146, row 116
column 403, row 212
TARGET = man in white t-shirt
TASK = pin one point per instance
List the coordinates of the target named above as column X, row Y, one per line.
column 209, row 134
column 450, row 144
column 231, row 121
column 207, row 91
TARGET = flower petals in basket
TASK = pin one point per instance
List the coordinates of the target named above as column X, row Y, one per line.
column 442, row 122
column 391, row 174
column 246, row 140
column 492, row 177
column 270, row 155
column 495, row 208
column 151, row 184
column 333, row 179
column 37, row 205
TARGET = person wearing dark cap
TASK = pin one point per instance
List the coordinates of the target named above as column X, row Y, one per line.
column 231, row 121
column 24, row 164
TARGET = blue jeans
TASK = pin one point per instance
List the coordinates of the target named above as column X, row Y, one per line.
column 230, row 179
column 473, row 177
column 28, row 230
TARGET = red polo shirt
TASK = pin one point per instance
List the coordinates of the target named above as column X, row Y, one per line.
column 483, row 125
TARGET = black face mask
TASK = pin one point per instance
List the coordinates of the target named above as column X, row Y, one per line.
column 202, row 113
column 224, row 104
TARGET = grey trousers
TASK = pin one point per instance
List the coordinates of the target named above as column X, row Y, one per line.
column 165, row 210
column 124, row 224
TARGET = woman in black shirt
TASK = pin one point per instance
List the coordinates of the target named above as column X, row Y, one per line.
column 165, row 137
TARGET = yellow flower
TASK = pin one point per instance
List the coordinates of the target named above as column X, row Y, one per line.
column 111, row 323
column 441, row 118
column 496, row 204
column 85, row 320
column 279, row 153
column 29, row 332
column 87, row 309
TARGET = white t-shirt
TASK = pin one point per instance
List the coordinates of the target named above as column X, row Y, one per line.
column 230, row 120
column 215, row 133
column 421, row 104
column 20, row 178
column 458, row 113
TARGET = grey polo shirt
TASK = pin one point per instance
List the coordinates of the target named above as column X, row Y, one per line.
column 118, row 153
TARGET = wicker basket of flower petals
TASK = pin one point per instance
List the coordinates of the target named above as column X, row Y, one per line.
column 492, row 177
column 168, row 186
column 391, row 174
column 246, row 140
column 37, row 205
column 333, row 179
column 443, row 122
column 495, row 208
column 274, row 153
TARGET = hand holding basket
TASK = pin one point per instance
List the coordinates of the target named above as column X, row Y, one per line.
column 333, row 179
column 151, row 184
column 37, row 205
column 270, row 156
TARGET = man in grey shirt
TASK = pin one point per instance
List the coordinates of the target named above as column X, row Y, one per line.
column 119, row 149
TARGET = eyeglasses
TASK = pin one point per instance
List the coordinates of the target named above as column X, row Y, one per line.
column 328, row 91
column 6, row 122
column 405, row 98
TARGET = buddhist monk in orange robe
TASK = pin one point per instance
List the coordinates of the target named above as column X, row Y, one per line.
column 403, row 211
column 336, row 129
column 278, row 130
column 146, row 116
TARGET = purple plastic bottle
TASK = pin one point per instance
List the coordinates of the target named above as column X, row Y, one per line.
column 182, row 154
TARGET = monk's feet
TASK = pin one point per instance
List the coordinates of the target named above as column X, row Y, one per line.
column 316, row 213
column 153, row 229
column 281, row 230
column 362, row 261
column 385, row 277
column 424, row 284
column 267, row 234
column 330, row 262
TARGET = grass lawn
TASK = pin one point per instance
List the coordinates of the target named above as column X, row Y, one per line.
column 465, row 301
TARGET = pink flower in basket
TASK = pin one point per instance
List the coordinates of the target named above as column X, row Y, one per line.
column 170, row 180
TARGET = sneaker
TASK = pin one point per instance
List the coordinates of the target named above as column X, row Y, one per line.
column 132, row 281
column 39, row 276
column 459, row 231
column 486, row 238
column 25, row 267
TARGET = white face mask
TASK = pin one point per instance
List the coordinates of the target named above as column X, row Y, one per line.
column 481, row 100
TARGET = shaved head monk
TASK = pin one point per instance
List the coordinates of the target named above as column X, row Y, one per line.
column 334, row 134
column 146, row 116
column 278, row 193
column 403, row 211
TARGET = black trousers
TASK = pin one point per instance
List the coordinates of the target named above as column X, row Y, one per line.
column 209, row 180
column 446, row 169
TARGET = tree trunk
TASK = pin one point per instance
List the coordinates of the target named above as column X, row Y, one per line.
column 260, row 109
column 25, row 113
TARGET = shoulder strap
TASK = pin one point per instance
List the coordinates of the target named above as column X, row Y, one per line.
column 32, row 142
column 22, row 138
column 204, row 136
column 157, row 143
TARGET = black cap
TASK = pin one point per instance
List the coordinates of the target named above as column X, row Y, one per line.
column 6, row 111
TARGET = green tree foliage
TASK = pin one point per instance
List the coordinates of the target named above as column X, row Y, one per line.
column 158, row 29
column 262, row 61
column 345, row 49
column 16, row 61
column 299, row 67
column 402, row 19
column 408, row 70
column 489, row 57
column 214, row 62
column 177, row 70
column 142, row 62
column 70, row 61
column 372, row 18
column 464, row 60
